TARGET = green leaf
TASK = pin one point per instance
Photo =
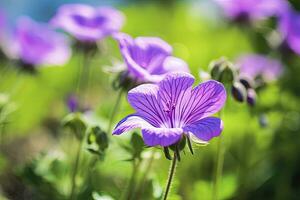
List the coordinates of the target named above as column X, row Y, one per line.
column 76, row 123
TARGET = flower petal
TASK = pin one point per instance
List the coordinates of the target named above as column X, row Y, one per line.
column 172, row 86
column 130, row 122
column 127, row 45
column 173, row 64
column 161, row 136
column 205, row 100
column 174, row 93
column 205, row 129
column 143, row 99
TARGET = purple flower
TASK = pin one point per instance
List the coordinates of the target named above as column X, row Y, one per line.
column 148, row 59
column 87, row 23
column 254, row 65
column 36, row 44
column 171, row 109
column 289, row 27
column 252, row 9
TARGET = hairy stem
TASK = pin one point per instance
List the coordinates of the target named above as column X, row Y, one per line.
column 171, row 175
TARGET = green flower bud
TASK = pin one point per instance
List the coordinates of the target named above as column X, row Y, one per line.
column 223, row 71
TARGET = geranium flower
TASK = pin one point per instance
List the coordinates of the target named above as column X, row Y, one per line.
column 254, row 65
column 252, row 9
column 37, row 44
column 148, row 59
column 289, row 26
column 86, row 23
column 168, row 111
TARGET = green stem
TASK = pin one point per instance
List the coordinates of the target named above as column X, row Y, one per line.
column 114, row 111
column 83, row 80
column 75, row 170
column 82, row 84
column 170, row 177
column 219, row 165
column 144, row 177
column 132, row 179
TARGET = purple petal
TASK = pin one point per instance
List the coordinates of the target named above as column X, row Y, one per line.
column 289, row 26
column 87, row 23
column 38, row 44
column 206, row 99
column 253, row 65
column 147, row 58
column 161, row 136
column 206, row 128
column 174, row 92
column 130, row 122
column 143, row 99
column 252, row 9
column 173, row 64
column 126, row 43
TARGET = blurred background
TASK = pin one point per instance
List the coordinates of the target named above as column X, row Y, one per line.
column 261, row 159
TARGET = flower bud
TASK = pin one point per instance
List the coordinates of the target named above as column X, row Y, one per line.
column 238, row 92
column 222, row 71
column 251, row 97
column 247, row 82
column 215, row 68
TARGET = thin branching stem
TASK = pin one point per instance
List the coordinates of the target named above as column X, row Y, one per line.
column 171, row 175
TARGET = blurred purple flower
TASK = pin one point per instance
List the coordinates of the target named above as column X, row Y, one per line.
column 87, row 23
column 36, row 44
column 148, row 59
column 254, row 65
column 252, row 9
column 72, row 103
column 289, row 27
column 172, row 108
